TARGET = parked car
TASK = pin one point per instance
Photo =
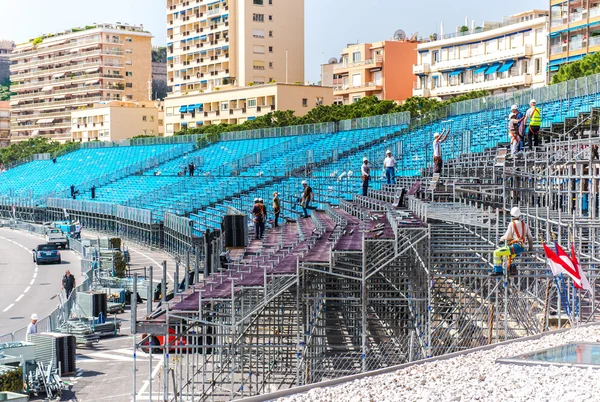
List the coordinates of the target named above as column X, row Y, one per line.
column 46, row 253
column 57, row 237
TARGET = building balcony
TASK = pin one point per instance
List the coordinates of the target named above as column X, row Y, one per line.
column 365, row 64
column 52, row 49
column 422, row 92
column 521, row 80
column 60, row 59
column 71, row 68
column 82, row 89
column 365, row 87
column 422, row 68
column 48, row 105
column 516, row 53
column 62, row 81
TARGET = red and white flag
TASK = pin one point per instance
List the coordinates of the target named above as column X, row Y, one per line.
column 585, row 284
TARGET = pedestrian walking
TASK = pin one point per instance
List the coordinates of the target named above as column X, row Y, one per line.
column 534, row 116
column 258, row 213
column 191, row 168
column 516, row 235
column 276, row 208
column 389, row 165
column 438, row 161
column 307, row 197
column 32, row 327
column 366, row 176
column 68, row 283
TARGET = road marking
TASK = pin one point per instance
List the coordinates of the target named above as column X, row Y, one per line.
column 34, row 274
column 31, row 283
column 27, row 289
column 158, row 264
column 8, row 308
column 20, row 297
column 158, row 367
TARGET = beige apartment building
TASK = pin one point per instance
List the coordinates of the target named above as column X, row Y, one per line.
column 55, row 74
column 219, row 46
column 237, row 105
column 115, row 120
column 4, row 124
column 381, row 69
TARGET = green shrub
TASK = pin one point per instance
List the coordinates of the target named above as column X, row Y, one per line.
column 12, row 381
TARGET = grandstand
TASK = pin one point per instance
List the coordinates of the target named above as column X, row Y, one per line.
column 366, row 282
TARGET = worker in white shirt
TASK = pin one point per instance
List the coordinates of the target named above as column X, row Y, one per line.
column 32, row 327
column 366, row 175
column 437, row 150
column 515, row 236
column 389, row 164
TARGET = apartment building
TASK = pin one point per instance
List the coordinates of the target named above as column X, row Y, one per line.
column 4, row 124
column 574, row 31
column 115, row 120
column 55, row 74
column 232, row 44
column 497, row 57
column 237, row 105
column 6, row 47
column 381, row 69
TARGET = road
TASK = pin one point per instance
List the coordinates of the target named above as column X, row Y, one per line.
column 26, row 288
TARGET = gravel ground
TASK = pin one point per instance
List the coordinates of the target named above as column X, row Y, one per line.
column 476, row 377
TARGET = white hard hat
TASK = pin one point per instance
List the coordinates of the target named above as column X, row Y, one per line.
column 515, row 212
column 436, row 135
column 256, row 200
column 34, row 316
column 260, row 200
column 365, row 159
column 303, row 181
column 514, row 107
column 532, row 101
column 388, row 152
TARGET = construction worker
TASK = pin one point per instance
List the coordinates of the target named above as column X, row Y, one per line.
column 366, row 176
column 389, row 167
column 264, row 216
column 515, row 236
column 438, row 161
column 258, row 213
column 307, row 197
column 535, row 121
column 514, row 121
column 276, row 209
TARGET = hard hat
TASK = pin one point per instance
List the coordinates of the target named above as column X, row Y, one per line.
column 256, row 200
column 514, row 107
column 515, row 212
column 303, row 182
column 365, row 159
column 436, row 135
column 532, row 101
column 34, row 316
column 260, row 200
column 388, row 152
column 275, row 193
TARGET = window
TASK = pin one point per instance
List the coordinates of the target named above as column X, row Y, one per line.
column 270, row 34
column 144, row 118
column 151, row 132
column 169, row 127
column 258, row 65
column 270, row 64
column 270, row 49
column 252, row 102
column 128, row 73
column 152, row 118
column 355, row 99
column 258, row 17
column 128, row 62
column 271, row 3
column 538, row 66
column 356, row 80
column 304, row 102
column 129, row 85
column 270, row 18
column 435, row 56
column 224, row 105
column 377, row 78
column 128, row 51
column 259, row 49
column 356, row 57
column 258, row 2
column 128, row 39
column 258, row 33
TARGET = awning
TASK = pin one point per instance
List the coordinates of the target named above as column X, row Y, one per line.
column 45, row 121
column 200, row 106
column 48, row 88
column 184, row 123
column 191, row 108
column 456, row 72
column 554, row 68
column 480, row 70
column 492, row 69
column 183, row 109
column 60, row 97
column 35, row 132
column 506, row 66
column 92, row 70
column 199, row 123
column 74, row 50
column 91, row 82
column 13, row 103
column 59, row 75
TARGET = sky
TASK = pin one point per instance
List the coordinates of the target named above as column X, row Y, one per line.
column 329, row 24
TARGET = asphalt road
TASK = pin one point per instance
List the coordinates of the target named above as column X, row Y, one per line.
column 26, row 288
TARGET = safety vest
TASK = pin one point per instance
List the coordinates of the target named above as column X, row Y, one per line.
column 536, row 118
column 519, row 237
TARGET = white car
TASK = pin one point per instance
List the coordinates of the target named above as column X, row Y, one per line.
column 57, row 237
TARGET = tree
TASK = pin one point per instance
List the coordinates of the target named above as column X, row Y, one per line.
column 159, row 54
column 588, row 65
column 38, row 145
column 5, row 90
